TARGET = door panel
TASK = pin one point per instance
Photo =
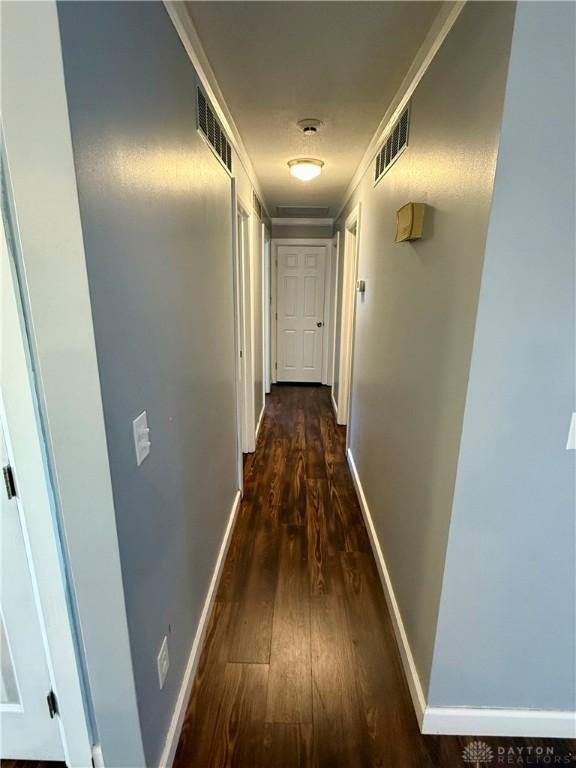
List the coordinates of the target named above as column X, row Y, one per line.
column 309, row 350
column 310, row 286
column 300, row 303
column 26, row 730
column 290, row 296
column 289, row 349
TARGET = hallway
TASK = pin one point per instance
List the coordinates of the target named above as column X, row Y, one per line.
column 227, row 228
column 300, row 666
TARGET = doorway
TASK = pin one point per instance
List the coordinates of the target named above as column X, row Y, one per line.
column 42, row 711
column 244, row 331
column 266, row 313
column 350, row 271
column 301, row 284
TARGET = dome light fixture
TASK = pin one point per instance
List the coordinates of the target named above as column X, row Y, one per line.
column 305, row 168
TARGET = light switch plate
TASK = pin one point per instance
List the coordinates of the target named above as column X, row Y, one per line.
column 163, row 662
column 141, row 437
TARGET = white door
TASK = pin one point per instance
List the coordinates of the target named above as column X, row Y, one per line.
column 27, row 730
column 300, row 308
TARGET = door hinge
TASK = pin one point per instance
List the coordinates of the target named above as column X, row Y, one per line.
column 52, row 704
column 9, row 481
column 97, row 756
column 240, row 353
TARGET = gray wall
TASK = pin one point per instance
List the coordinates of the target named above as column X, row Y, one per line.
column 506, row 632
column 301, row 230
column 156, row 217
column 414, row 328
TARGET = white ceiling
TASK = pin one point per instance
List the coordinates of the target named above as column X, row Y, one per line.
column 279, row 62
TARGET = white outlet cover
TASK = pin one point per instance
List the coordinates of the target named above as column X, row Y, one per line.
column 163, row 662
column 571, row 444
column 141, row 437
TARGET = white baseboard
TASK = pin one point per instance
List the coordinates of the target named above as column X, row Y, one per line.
column 177, row 721
column 334, row 404
column 490, row 721
column 458, row 721
column 418, row 700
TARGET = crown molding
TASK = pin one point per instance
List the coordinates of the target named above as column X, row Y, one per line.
column 307, row 222
column 437, row 33
column 187, row 33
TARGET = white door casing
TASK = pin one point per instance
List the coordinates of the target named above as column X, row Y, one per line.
column 244, row 323
column 329, row 312
column 347, row 322
column 300, row 310
column 335, row 266
column 238, row 339
column 267, row 301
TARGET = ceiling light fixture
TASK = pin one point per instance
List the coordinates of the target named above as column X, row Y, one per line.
column 305, row 168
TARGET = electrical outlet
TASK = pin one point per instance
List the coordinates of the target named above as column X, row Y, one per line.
column 163, row 662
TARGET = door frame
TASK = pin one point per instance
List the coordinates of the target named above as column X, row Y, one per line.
column 20, row 416
column 329, row 299
column 242, row 229
column 267, row 301
column 348, row 317
column 336, row 265
column 331, row 308
column 238, row 336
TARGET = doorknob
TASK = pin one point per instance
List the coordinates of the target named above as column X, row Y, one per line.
column 319, row 323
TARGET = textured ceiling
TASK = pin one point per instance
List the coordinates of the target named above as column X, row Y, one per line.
column 279, row 62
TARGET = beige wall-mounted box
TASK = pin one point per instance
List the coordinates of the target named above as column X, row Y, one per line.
column 410, row 222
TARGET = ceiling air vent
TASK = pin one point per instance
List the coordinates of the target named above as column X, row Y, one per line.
column 302, row 211
column 395, row 143
column 210, row 127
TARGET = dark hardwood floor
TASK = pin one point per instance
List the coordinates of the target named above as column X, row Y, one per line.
column 29, row 764
column 300, row 665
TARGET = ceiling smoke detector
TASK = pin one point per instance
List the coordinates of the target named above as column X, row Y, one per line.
column 310, row 126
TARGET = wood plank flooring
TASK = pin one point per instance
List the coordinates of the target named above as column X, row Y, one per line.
column 30, row 764
column 300, row 666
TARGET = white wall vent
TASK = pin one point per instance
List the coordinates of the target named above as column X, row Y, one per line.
column 394, row 144
column 210, row 127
